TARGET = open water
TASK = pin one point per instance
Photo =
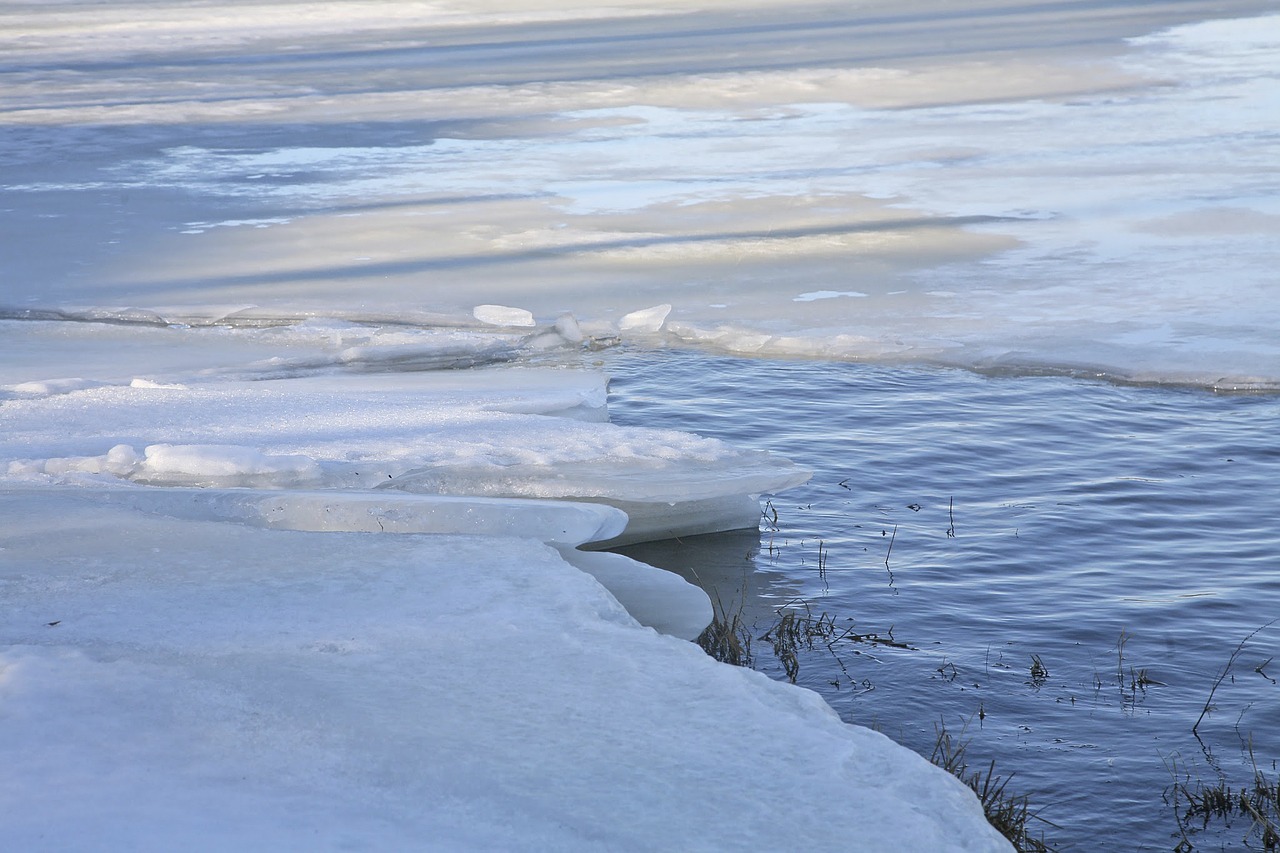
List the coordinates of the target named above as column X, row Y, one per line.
column 1124, row 537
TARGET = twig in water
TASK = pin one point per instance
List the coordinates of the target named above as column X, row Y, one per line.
column 1261, row 667
column 1120, row 656
column 886, row 556
column 951, row 514
column 1208, row 703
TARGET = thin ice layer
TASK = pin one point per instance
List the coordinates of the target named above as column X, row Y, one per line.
column 517, row 433
column 180, row 682
column 561, row 523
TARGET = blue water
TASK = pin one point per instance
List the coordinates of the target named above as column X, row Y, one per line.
column 1106, row 530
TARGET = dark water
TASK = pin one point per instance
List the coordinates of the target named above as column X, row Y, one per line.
column 1127, row 539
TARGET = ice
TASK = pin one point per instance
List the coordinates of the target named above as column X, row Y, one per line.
column 176, row 683
column 291, row 525
column 953, row 190
column 207, row 465
column 48, row 387
column 501, row 315
column 518, row 433
column 561, row 523
column 663, row 498
column 814, row 295
column 653, row 597
column 645, row 320
column 567, row 327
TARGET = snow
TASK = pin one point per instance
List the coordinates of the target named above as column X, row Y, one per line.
column 328, row 609
column 185, row 683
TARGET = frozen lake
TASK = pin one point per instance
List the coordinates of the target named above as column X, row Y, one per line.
column 278, row 275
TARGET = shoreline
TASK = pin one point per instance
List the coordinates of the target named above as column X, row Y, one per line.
column 170, row 673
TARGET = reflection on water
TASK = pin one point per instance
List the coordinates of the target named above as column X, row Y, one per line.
column 1065, row 567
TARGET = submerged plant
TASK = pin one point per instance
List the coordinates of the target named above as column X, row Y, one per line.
column 797, row 629
column 1039, row 672
column 1197, row 805
column 794, row 631
column 1226, row 670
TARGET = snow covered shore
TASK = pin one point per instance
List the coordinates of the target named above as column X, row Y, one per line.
column 191, row 684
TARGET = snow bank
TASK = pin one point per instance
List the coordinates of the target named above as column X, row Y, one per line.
column 171, row 683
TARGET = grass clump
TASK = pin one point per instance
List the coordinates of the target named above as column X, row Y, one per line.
column 1009, row 813
column 793, row 632
column 726, row 639
column 1197, row 805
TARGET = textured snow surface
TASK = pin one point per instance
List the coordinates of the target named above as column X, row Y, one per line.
column 176, row 684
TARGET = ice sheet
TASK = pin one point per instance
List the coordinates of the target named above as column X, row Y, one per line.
column 560, row 523
column 525, row 433
column 953, row 188
column 653, row 597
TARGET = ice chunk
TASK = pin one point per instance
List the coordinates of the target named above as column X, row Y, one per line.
column 654, row 597
column 645, row 320
column 226, row 465
column 567, row 327
column 650, row 520
column 49, row 387
column 678, row 496
column 501, row 315
column 143, row 382
column 120, row 461
column 565, row 331
column 815, row 295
